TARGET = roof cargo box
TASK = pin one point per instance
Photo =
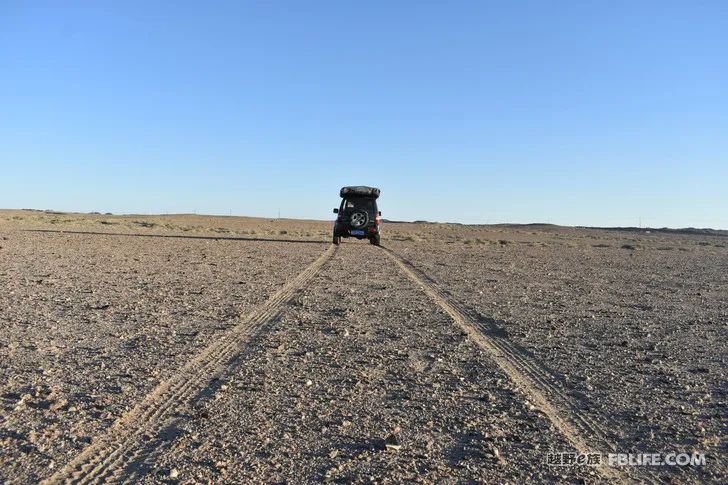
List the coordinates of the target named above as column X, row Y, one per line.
column 360, row 191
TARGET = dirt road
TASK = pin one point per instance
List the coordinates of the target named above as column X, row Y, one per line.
column 200, row 360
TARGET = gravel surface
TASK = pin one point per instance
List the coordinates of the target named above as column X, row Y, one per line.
column 464, row 355
column 351, row 364
column 637, row 337
column 90, row 324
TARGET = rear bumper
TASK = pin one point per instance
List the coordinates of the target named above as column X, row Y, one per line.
column 345, row 231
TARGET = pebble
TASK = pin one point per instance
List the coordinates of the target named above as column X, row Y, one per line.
column 392, row 442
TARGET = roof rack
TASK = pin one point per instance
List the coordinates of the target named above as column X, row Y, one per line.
column 360, row 191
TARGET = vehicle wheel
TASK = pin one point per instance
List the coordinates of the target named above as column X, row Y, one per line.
column 337, row 239
column 375, row 239
column 359, row 219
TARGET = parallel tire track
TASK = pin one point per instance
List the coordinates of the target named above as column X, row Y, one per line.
column 106, row 459
column 579, row 429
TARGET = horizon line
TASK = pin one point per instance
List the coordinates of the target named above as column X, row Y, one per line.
column 390, row 221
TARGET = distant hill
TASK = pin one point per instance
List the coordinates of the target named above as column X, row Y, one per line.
column 666, row 230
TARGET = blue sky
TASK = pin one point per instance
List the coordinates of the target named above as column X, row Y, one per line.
column 580, row 113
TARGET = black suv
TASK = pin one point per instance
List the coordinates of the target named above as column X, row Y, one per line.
column 359, row 216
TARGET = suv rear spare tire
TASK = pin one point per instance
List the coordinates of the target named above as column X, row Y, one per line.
column 359, row 219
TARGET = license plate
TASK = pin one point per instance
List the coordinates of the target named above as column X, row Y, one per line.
column 357, row 232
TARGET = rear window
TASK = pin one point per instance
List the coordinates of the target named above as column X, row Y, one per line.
column 360, row 203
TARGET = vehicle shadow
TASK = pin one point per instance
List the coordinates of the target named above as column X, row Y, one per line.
column 179, row 236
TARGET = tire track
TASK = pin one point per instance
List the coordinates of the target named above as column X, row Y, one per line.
column 535, row 381
column 106, row 459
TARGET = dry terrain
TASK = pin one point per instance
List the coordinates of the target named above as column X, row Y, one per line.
column 200, row 349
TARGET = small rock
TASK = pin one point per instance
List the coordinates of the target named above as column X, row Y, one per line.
column 174, row 473
column 391, row 442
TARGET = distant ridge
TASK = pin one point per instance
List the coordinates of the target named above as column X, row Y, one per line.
column 666, row 230
column 685, row 230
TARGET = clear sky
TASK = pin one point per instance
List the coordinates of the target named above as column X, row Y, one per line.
column 580, row 113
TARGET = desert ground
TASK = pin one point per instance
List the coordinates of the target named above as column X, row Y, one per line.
column 205, row 349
